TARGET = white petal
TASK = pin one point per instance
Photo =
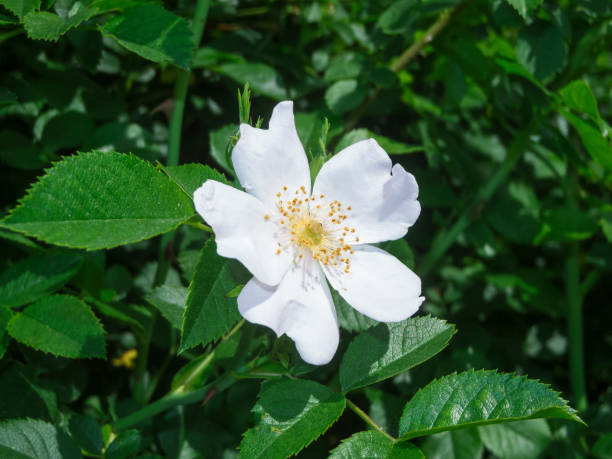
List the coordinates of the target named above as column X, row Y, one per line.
column 382, row 200
column 241, row 230
column 301, row 307
column 378, row 285
column 266, row 160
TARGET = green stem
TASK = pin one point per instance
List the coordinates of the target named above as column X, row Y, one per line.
column 574, row 305
column 171, row 400
column 174, row 147
column 446, row 238
column 180, row 87
column 402, row 61
column 363, row 415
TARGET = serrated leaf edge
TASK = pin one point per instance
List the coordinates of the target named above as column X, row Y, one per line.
column 88, row 357
column 42, row 178
column 252, row 410
column 452, row 329
column 419, row 433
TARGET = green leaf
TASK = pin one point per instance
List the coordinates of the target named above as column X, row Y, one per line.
column 219, row 141
column 22, row 398
column 263, row 79
column 399, row 17
column 524, row 7
column 603, row 447
column 374, row 445
column 17, row 151
column 190, row 177
column 348, row 317
column 125, row 445
column 5, row 316
column 87, row 433
column 291, row 414
column 61, row 325
column 598, row 146
column 389, row 349
column 517, row 440
column 458, row 444
column 477, row 398
column 578, row 96
column 100, row 200
column 540, row 48
column 32, row 438
column 346, row 66
column 20, row 7
column 565, row 224
column 32, row 278
column 43, row 25
column 209, row 313
column 153, row 33
column 392, row 147
column 170, row 301
column 344, row 95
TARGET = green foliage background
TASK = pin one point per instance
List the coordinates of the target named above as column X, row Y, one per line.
column 499, row 108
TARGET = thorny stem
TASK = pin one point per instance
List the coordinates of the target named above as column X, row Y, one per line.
column 363, row 415
column 402, row 61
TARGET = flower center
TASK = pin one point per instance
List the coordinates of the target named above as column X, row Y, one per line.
column 310, row 234
column 316, row 225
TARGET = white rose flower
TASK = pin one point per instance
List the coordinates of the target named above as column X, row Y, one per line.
column 292, row 238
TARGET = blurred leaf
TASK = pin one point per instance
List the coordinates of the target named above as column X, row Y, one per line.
column 190, row 177
column 22, row 398
column 596, row 144
column 565, row 224
column 389, row 349
column 5, row 316
column 66, row 130
column 32, row 438
column 399, row 17
column 20, row 7
column 34, row 277
column 153, row 33
column 209, row 313
column 457, row 444
column 345, row 66
column 516, row 440
column 125, row 445
column 344, row 95
column 374, row 445
column 17, row 151
column 392, row 147
column 129, row 137
column 87, row 433
column 170, row 301
column 524, row 7
column 60, row 325
column 578, row 96
column 291, row 414
column 478, row 398
column 263, row 79
column 540, row 48
column 98, row 200
column 603, row 447
column 219, row 140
